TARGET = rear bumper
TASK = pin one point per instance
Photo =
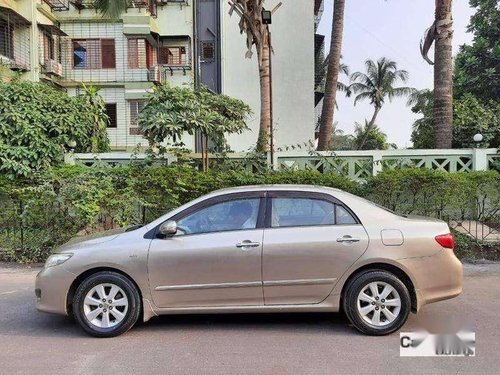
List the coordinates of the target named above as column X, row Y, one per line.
column 436, row 278
column 51, row 289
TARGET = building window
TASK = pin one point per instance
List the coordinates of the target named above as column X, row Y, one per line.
column 94, row 54
column 137, row 56
column 135, row 107
column 173, row 56
column 48, row 47
column 111, row 113
column 6, row 40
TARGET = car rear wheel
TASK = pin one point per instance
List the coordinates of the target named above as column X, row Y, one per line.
column 377, row 303
column 106, row 304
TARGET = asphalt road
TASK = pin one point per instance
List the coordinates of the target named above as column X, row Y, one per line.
column 33, row 342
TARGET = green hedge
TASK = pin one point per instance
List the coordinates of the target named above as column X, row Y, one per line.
column 59, row 204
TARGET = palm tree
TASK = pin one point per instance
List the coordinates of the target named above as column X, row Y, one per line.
column 257, row 33
column 111, row 8
column 441, row 32
column 377, row 84
column 332, row 77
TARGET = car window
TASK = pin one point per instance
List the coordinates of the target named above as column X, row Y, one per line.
column 291, row 212
column 343, row 217
column 235, row 214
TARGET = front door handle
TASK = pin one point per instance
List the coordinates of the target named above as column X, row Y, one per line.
column 348, row 239
column 246, row 244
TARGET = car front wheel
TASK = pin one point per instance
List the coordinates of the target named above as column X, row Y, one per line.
column 377, row 303
column 106, row 304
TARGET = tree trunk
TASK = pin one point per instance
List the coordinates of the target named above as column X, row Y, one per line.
column 369, row 128
column 265, row 98
column 443, row 75
column 332, row 77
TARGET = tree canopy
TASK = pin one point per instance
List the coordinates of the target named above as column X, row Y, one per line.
column 38, row 121
column 477, row 66
column 173, row 111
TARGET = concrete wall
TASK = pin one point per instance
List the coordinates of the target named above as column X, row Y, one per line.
column 293, row 73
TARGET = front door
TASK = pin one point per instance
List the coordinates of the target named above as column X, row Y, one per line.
column 214, row 259
column 310, row 240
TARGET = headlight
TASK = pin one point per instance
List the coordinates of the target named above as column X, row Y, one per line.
column 57, row 259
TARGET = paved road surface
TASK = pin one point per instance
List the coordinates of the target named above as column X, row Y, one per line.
column 32, row 342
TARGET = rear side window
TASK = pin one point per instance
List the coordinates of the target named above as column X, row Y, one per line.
column 343, row 217
column 294, row 212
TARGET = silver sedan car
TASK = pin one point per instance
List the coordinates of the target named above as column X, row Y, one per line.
column 256, row 249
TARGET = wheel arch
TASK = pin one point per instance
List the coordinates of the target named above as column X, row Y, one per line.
column 391, row 268
column 81, row 277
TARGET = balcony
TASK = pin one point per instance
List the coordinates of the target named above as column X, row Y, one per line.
column 148, row 5
column 57, row 5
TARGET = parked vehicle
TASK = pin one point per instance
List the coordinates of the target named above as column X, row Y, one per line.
column 257, row 249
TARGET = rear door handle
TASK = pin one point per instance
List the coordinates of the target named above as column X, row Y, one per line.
column 246, row 244
column 348, row 239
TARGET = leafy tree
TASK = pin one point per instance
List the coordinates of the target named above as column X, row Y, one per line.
column 441, row 34
column 330, row 100
column 368, row 137
column 38, row 121
column 470, row 116
column 172, row 111
column 376, row 85
column 477, row 66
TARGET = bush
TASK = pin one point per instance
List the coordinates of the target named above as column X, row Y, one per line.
column 37, row 121
column 60, row 203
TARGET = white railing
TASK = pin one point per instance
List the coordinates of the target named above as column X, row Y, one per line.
column 355, row 164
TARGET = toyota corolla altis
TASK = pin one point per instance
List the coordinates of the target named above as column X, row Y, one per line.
column 256, row 249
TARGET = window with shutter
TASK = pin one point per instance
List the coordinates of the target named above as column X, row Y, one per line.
column 135, row 107
column 108, row 53
column 94, row 54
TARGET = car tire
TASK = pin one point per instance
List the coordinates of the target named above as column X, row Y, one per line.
column 368, row 311
column 106, row 304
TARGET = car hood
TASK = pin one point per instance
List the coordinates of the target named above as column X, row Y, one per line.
column 93, row 239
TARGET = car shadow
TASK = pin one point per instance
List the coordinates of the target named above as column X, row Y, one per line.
column 297, row 322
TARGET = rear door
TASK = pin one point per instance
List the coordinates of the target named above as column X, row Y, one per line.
column 310, row 240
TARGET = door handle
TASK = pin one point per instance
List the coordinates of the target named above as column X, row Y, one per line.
column 348, row 239
column 246, row 244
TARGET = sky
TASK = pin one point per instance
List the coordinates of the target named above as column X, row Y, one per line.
column 393, row 29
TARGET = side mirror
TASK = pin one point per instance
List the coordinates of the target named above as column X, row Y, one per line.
column 168, row 228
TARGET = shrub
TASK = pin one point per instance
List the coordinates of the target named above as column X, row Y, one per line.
column 59, row 203
column 37, row 122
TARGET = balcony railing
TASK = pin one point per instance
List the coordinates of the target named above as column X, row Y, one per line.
column 57, row 5
column 149, row 5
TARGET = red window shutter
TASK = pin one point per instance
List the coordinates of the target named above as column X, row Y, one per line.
column 108, row 53
column 133, row 54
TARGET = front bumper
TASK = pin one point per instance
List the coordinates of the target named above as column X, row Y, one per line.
column 436, row 277
column 51, row 288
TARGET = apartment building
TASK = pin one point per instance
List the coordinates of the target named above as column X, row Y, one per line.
column 183, row 42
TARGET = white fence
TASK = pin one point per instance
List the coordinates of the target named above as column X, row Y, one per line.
column 355, row 164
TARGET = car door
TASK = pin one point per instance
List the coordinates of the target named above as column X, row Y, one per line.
column 310, row 240
column 215, row 258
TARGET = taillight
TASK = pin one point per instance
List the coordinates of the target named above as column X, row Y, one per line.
column 446, row 240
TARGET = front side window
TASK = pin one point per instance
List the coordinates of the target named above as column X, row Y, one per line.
column 293, row 212
column 238, row 214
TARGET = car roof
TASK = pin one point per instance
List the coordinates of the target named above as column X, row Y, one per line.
column 288, row 187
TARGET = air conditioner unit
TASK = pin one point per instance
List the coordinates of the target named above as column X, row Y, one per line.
column 154, row 74
column 53, row 67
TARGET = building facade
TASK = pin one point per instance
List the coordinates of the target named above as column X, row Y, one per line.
column 182, row 42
